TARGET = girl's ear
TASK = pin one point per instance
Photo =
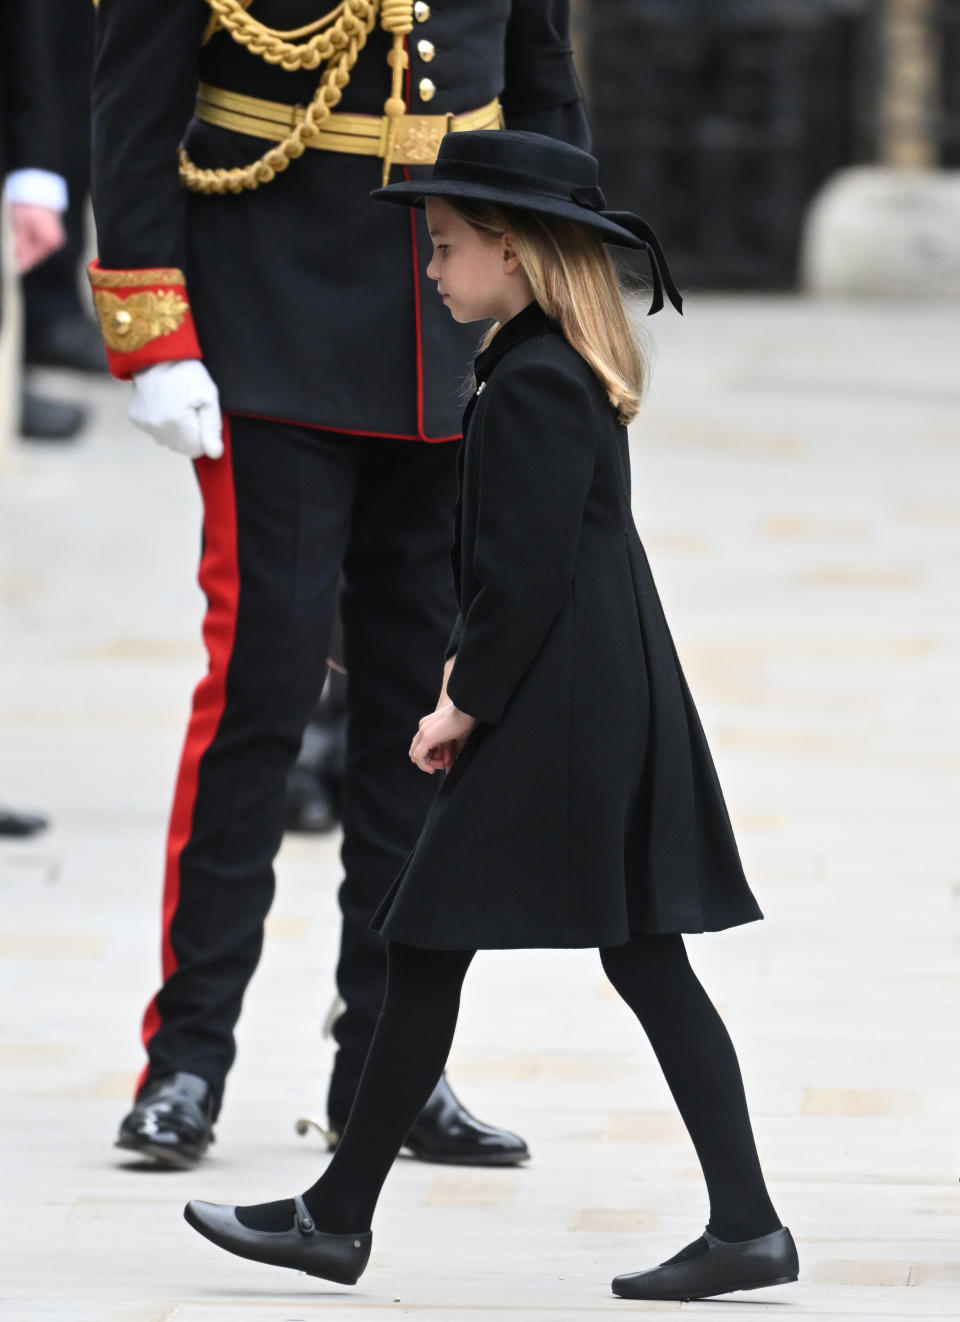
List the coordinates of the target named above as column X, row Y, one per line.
column 511, row 262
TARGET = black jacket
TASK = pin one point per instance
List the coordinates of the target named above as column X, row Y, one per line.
column 29, row 137
column 585, row 803
column 310, row 300
column 28, row 128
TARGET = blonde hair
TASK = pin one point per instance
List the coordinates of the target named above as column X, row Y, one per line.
column 574, row 281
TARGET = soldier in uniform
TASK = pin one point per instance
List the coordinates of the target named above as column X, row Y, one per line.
column 232, row 292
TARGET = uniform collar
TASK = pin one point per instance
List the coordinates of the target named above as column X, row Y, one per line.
column 531, row 321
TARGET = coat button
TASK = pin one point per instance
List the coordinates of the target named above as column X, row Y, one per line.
column 122, row 322
column 427, row 89
column 421, row 12
column 426, row 50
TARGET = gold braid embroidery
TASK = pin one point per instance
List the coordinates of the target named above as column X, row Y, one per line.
column 160, row 275
column 337, row 39
column 130, row 323
column 396, row 16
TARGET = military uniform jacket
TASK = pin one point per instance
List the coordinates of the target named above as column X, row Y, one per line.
column 585, row 803
column 309, row 300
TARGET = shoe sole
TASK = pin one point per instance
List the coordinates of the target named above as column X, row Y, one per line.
column 692, row 1298
column 494, row 1159
column 162, row 1156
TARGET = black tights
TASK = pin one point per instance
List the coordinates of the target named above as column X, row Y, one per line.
column 693, row 1048
column 410, row 1048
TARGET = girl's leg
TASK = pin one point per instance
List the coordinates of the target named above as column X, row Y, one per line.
column 653, row 975
column 406, row 1058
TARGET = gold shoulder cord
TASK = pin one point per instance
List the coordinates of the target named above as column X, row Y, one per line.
column 335, row 40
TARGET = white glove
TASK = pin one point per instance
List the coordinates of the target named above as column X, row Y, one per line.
column 178, row 405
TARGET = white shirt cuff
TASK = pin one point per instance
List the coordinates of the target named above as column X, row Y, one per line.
column 37, row 188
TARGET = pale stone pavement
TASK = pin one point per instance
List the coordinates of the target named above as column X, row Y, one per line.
column 796, row 478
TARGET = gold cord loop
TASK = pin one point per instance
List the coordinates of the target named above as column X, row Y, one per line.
column 335, row 40
column 276, row 46
column 396, row 17
column 339, row 45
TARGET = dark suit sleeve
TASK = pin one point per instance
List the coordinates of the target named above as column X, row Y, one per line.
column 536, row 463
column 27, row 115
column 541, row 93
column 453, row 647
column 144, row 88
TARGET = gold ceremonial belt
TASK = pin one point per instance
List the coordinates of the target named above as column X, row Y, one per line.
column 418, row 136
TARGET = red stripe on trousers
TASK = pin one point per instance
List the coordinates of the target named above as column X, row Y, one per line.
column 219, row 578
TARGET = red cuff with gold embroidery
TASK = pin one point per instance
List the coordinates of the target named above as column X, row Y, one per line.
column 145, row 317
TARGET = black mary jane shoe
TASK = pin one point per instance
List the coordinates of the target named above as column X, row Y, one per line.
column 171, row 1123
column 752, row 1264
column 445, row 1133
column 303, row 1247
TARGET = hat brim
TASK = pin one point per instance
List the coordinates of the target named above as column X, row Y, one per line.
column 411, row 193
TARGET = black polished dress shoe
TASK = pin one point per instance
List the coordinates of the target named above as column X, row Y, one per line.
column 20, row 823
column 710, row 1266
column 310, row 807
column 446, row 1133
column 73, row 342
column 303, row 1247
column 314, row 781
column 172, row 1121
column 43, row 419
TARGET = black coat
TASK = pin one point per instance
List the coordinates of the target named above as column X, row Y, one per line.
column 585, row 803
column 29, row 137
column 310, row 300
column 29, row 134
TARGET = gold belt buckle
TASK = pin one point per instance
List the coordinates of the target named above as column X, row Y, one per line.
column 420, row 136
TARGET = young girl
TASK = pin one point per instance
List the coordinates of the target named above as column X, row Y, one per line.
column 580, row 805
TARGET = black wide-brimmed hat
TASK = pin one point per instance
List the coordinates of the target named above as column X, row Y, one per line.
column 534, row 173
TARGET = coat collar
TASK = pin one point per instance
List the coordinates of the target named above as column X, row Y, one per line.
column 531, row 321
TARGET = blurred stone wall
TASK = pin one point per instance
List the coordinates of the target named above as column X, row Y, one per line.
column 948, row 63
column 720, row 120
column 908, row 110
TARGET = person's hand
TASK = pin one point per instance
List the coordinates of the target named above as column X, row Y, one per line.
column 178, row 405
column 37, row 232
column 440, row 738
column 447, row 668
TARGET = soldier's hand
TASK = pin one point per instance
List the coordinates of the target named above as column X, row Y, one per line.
column 37, row 232
column 178, row 404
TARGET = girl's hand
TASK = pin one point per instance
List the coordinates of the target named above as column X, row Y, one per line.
column 440, row 738
column 447, row 668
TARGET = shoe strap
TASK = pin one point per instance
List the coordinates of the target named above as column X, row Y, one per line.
column 304, row 1221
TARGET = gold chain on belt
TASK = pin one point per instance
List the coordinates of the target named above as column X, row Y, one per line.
column 334, row 40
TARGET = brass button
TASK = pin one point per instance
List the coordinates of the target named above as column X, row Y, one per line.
column 426, row 50
column 122, row 321
column 421, row 12
column 427, row 89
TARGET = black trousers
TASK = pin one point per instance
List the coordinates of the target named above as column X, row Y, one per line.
column 285, row 510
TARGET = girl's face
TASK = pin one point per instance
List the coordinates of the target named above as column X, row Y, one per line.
column 478, row 277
